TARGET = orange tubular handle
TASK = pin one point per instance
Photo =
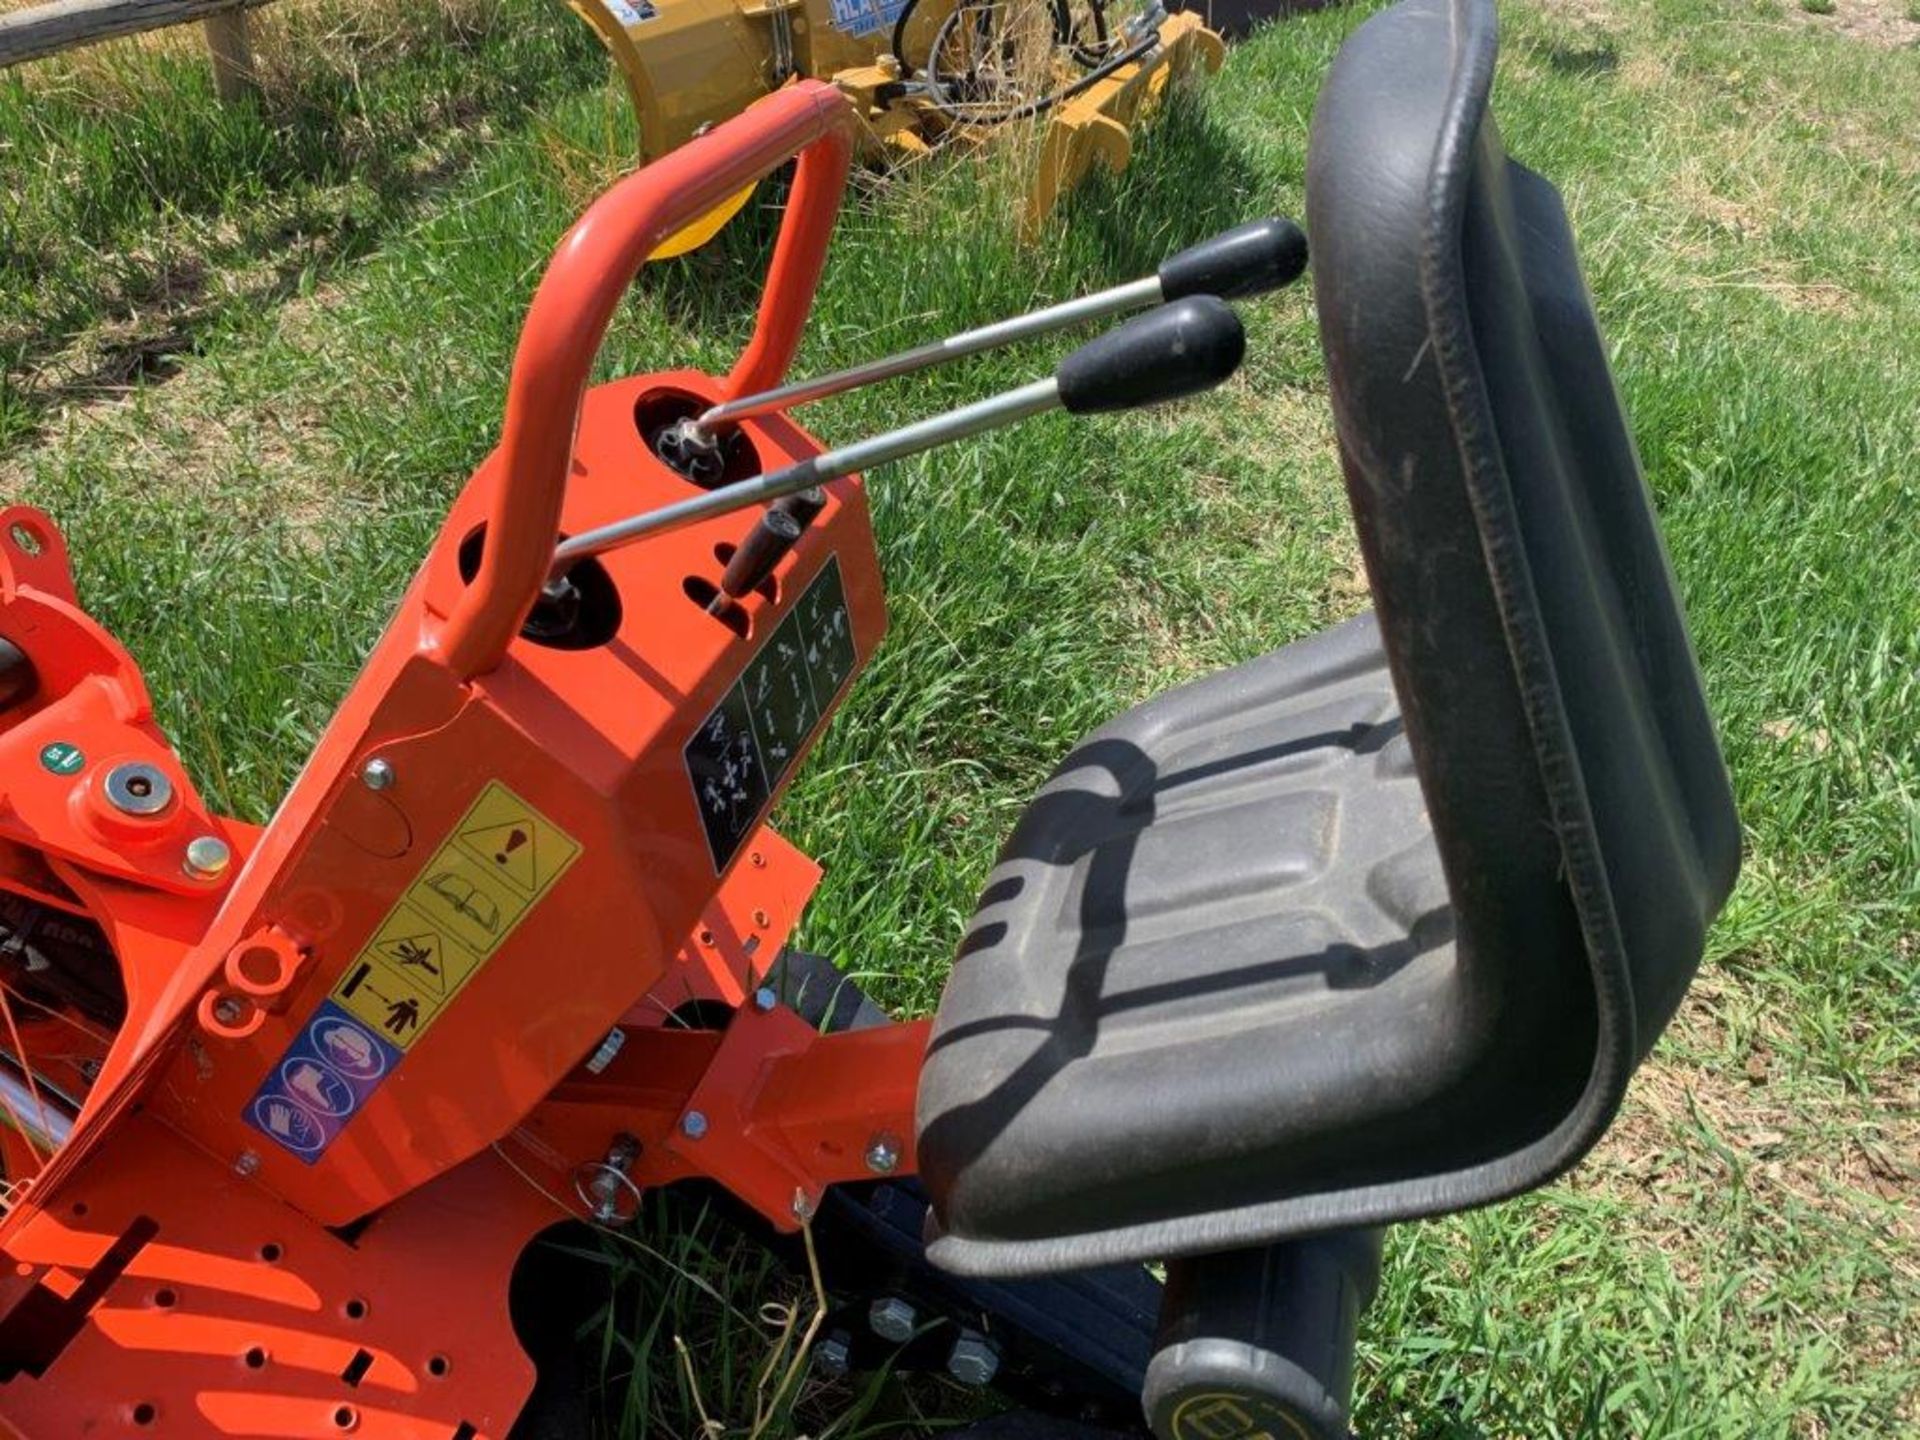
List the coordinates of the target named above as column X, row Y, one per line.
column 589, row 272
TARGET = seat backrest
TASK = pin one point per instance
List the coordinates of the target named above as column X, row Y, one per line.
column 1550, row 692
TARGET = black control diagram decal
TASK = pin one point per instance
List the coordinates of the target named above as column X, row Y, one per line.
column 742, row 750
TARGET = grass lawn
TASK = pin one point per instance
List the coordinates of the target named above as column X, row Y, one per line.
column 248, row 361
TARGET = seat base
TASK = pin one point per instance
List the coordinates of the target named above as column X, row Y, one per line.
column 1202, row 959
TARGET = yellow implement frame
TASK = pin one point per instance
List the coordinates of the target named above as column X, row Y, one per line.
column 689, row 64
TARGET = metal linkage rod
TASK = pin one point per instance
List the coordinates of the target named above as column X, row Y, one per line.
column 1246, row 260
column 1175, row 350
column 983, row 415
column 1134, row 295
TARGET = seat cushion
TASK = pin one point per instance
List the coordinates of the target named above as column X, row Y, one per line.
column 1218, row 995
column 1218, row 937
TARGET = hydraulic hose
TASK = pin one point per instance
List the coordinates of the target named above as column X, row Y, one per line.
column 1044, row 103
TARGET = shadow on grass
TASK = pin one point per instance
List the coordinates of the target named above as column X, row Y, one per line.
column 146, row 208
column 1188, row 171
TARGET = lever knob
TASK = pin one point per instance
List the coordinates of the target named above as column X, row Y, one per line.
column 1169, row 352
column 1249, row 259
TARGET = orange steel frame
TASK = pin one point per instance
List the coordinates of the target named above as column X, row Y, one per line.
column 173, row 1271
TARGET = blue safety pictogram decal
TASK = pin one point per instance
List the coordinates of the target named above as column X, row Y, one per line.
column 323, row 1080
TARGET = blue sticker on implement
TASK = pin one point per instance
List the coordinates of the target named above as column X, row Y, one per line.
column 333, row 1065
column 864, row 17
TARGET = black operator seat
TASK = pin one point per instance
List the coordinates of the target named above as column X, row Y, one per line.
column 1376, row 926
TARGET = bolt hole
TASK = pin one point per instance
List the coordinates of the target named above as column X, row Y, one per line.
column 140, row 786
column 256, row 1358
column 79, row 1207
column 437, row 1366
column 344, row 1417
column 704, row 593
column 143, row 1413
column 27, row 541
column 270, row 1252
column 165, row 1299
column 356, row 1309
column 259, row 965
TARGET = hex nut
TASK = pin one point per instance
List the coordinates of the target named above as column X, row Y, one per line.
column 892, row 1318
column 834, row 1355
column 974, row 1360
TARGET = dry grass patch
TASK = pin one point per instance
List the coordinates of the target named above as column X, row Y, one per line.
column 1889, row 24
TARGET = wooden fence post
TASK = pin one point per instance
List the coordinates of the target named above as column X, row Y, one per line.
column 232, row 52
column 49, row 28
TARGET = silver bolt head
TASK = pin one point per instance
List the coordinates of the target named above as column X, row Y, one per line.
column 693, row 1124
column 764, row 999
column 208, row 857
column 378, row 774
column 245, row 1163
column 834, row 1355
column 883, row 1156
column 137, row 788
column 973, row 1360
column 892, row 1318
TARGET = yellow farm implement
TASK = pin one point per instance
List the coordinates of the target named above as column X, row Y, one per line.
column 919, row 72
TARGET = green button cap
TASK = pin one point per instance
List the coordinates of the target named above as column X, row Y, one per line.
column 62, row 758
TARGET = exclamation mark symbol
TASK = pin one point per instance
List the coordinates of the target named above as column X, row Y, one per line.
column 514, row 841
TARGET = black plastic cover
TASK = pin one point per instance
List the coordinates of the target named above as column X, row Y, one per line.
column 1260, row 1342
column 1171, row 351
column 1247, row 260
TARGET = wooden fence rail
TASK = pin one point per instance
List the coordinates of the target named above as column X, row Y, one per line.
column 42, row 30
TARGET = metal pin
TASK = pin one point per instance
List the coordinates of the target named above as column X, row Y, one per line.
column 609, row 1048
column 208, row 857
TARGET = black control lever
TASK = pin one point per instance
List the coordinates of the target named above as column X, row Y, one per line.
column 1166, row 354
column 1177, row 350
column 767, row 544
column 1236, row 264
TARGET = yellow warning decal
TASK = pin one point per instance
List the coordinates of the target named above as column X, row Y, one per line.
column 502, row 856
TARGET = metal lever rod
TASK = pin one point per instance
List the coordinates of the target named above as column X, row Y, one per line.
column 1175, row 350
column 1084, row 310
column 1246, row 260
column 974, row 419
